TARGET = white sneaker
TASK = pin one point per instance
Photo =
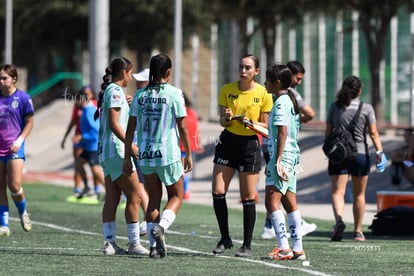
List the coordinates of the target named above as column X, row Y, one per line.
column 25, row 221
column 143, row 228
column 4, row 231
column 268, row 233
column 307, row 227
column 137, row 249
column 111, row 248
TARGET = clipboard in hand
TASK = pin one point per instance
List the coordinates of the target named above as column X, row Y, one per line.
column 256, row 127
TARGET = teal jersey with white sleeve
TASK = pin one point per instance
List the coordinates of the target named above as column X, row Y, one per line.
column 158, row 138
column 283, row 114
column 109, row 144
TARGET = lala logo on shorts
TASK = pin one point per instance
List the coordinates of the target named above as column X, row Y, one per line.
column 150, row 154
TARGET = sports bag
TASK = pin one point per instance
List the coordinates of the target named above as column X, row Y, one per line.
column 397, row 220
column 340, row 146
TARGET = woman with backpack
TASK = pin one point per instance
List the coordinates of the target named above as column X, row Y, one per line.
column 340, row 116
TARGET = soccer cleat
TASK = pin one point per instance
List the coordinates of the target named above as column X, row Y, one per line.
column 243, row 252
column 25, row 221
column 111, row 248
column 307, row 227
column 299, row 255
column 154, row 253
column 87, row 192
column 4, row 231
column 358, row 236
column 157, row 232
column 268, row 233
column 279, row 254
column 137, row 249
column 338, row 230
column 143, row 228
column 222, row 245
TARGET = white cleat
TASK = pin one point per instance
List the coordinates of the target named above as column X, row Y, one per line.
column 137, row 249
column 268, row 233
column 25, row 221
column 308, row 227
column 111, row 248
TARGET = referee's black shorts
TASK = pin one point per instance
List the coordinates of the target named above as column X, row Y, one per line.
column 239, row 152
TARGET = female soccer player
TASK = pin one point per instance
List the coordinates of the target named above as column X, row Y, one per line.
column 158, row 113
column 16, row 123
column 283, row 165
column 113, row 111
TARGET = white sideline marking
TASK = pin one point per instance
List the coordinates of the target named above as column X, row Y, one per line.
column 48, row 248
column 182, row 249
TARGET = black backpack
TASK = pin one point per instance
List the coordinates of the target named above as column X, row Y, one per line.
column 340, row 146
column 398, row 220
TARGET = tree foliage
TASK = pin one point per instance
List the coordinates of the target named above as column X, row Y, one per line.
column 375, row 19
column 44, row 28
column 266, row 15
column 149, row 24
column 48, row 35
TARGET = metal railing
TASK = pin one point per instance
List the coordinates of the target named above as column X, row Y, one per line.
column 56, row 78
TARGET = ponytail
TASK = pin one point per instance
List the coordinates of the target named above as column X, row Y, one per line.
column 107, row 79
column 349, row 91
column 112, row 73
column 293, row 99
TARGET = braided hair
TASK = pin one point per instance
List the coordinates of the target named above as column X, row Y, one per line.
column 112, row 73
column 349, row 91
column 159, row 66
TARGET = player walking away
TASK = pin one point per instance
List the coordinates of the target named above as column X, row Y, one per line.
column 113, row 111
column 16, row 123
column 283, row 165
column 157, row 112
column 340, row 115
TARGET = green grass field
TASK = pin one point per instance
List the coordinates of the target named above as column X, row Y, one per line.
column 66, row 240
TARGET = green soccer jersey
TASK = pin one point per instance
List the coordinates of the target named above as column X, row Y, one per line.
column 158, row 139
column 109, row 144
column 283, row 114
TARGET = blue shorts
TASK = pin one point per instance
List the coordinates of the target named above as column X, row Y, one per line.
column 169, row 175
column 17, row 155
column 360, row 167
column 91, row 157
